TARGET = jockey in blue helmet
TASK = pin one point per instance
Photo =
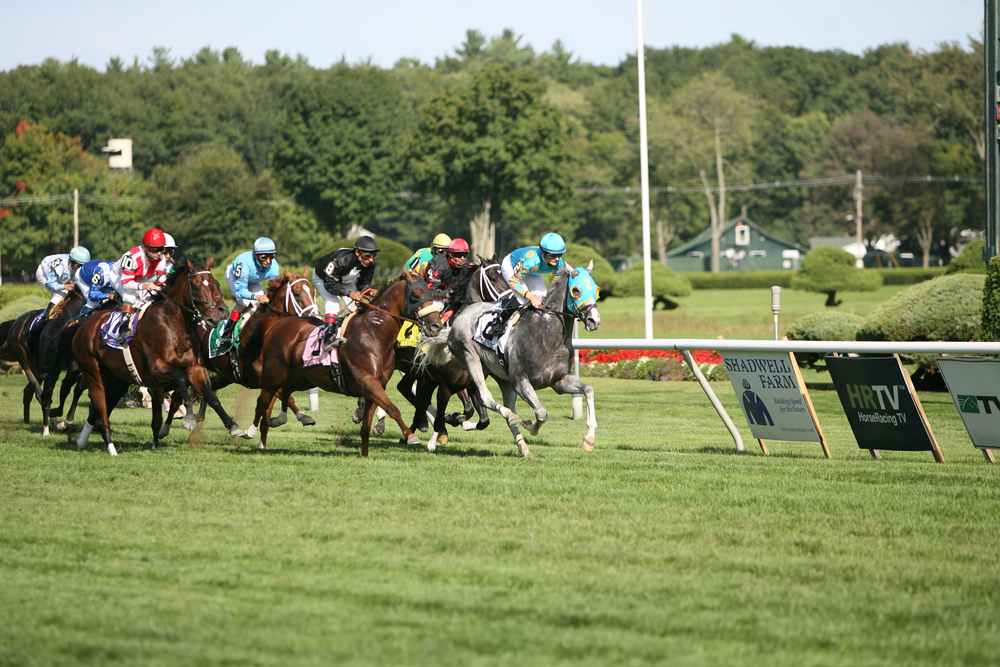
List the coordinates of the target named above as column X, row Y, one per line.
column 524, row 270
column 245, row 276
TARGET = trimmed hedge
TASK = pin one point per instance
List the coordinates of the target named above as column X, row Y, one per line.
column 740, row 279
column 970, row 260
column 944, row 309
column 908, row 275
column 824, row 325
column 15, row 309
column 990, row 315
column 12, row 292
column 665, row 281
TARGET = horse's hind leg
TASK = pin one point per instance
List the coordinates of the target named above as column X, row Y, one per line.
column 78, row 387
column 375, row 392
column 571, row 384
column 46, row 400
column 29, row 393
column 156, row 393
column 522, row 387
column 200, row 379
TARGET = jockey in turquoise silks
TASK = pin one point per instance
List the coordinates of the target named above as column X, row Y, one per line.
column 245, row 276
column 524, row 270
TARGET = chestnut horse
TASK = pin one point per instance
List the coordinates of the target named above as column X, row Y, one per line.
column 166, row 352
column 288, row 294
column 367, row 358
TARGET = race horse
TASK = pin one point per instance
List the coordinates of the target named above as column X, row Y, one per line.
column 538, row 352
column 288, row 294
column 23, row 345
column 166, row 352
column 479, row 283
column 367, row 358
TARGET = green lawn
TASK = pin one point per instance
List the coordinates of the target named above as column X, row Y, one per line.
column 663, row 546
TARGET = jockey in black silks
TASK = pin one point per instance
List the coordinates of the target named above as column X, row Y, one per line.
column 344, row 274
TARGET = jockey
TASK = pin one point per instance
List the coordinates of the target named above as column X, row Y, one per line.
column 55, row 274
column 96, row 281
column 416, row 264
column 443, row 271
column 169, row 246
column 137, row 276
column 245, row 276
column 523, row 270
column 344, row 274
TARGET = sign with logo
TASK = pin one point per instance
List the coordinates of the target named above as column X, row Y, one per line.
column 769, row 393
column 973, row 383
column 880, row 404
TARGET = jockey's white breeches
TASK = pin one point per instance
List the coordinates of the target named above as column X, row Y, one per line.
column 331, row 303
column 534, row 283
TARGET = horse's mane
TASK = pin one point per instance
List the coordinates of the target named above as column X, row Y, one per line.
column 283, row 279
column 180, row 268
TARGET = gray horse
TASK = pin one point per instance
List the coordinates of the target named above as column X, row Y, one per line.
column 538, row 354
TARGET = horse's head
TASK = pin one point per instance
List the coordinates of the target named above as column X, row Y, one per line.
column 294, row 295
column 582, row 297
column 418, row 303
column 203, row 290
column 488, row 284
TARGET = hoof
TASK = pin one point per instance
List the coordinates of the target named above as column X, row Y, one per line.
column 470, row 426
column 189, row 424
column 422, row 428
column 274, row 422
column 480, row 425
column 356, row 416
column 442, row 439
column 112, row 450
column 164, row 431
column 237, row 432
column 522, row 446
column 305, row 419
column 252, row 431
column 200, row 418
column 413, row 440
column 63, row 427
column 588, row 443
column 262, row 446
column 379, row 428
column 45, row 430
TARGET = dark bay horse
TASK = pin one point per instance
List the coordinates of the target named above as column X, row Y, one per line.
column 367, row 358
column 539, row 352
column 23, row 346
column 288, row 294
column 166, row 352
column 484, row 282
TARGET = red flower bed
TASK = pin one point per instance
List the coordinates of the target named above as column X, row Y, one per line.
column 613, row 356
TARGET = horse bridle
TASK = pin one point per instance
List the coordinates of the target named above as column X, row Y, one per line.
column 290, row 300
column 420, row 312
column 198, row 316
column 486, row 287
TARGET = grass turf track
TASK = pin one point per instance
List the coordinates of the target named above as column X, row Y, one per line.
column 664, row 546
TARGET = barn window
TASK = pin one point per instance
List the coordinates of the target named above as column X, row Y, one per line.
column 742, row 235
column 696, row 253
column 758, row 253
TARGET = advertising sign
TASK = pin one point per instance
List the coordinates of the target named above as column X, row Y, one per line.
column 770, row 396
column 877, row 399
column 973, row 384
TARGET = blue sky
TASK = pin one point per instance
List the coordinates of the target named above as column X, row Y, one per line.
column 598, row 31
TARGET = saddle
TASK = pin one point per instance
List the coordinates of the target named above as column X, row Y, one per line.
column 215, row 337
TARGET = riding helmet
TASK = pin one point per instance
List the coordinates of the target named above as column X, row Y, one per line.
column 366, row 244
column 441, row 242
column 79, row 255
column 457, row 246
column 264, row 246
column 168, row 242
column 153, row 238
column 553, row 244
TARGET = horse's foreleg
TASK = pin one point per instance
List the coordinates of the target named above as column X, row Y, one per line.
column 474, row 365
column 78, row 388
column 28, row 394
column 176, row 396
column 113, row 390
column 156, row 393
column 367, row 410
column 374, row 392
column 200, row 379
column 571, row 384
column 510, row 400
column 264, row 401
column 48, row 385
column 440, row 434
column 303, row 418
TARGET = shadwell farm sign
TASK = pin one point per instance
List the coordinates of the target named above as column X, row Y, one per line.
column 771, row 395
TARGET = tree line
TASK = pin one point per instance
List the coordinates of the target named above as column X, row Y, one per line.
column 496, row 143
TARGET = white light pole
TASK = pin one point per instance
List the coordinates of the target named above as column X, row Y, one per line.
column 647, row 276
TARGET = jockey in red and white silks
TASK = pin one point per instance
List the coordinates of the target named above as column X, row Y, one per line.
column 139, row 272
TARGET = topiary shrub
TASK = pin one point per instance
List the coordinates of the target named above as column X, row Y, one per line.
column 665, row 282
column 389, row 263
column 822, row 326
column 829, row 269
column 603, row 273
column 944, row 309
column 970, row 260
column 740, row 279
column 990, row 316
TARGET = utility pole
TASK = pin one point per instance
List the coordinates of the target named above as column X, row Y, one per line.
column 858, row 187
column 76, row 218
column 647, row 279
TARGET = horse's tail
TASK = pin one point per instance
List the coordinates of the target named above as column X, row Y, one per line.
column 432, row 350
column 6, row 353
column 61, row 348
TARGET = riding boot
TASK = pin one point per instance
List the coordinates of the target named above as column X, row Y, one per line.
column 226, row 337
column 125, row 326
column 499, row 324
column 330, row 339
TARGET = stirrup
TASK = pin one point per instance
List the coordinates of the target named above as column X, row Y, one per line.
column 122, row 335
column 336, row 342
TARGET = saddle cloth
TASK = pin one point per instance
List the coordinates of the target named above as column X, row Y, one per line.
column 498, row 345
column 109, row 330
column 216, row 335
column 312, row 352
